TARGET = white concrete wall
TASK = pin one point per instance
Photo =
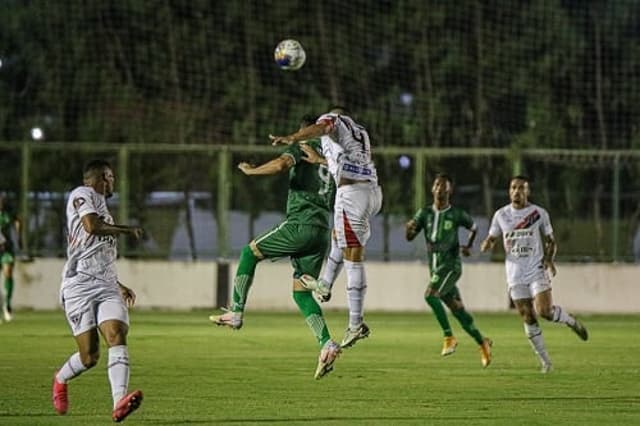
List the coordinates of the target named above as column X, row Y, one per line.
column 392, row 286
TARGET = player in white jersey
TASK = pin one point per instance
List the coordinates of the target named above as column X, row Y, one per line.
column 347, row 152
column 92, row 297
column 530, row 250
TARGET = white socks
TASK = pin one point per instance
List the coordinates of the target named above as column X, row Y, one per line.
column 534, row 334
column 334, row 264
column 72, row 368
column 356, row 290
column 560, row 315
column 118, row 371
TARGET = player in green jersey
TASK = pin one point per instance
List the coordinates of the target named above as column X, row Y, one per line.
column 8, row 220
column 440, row 223
column 304, row 237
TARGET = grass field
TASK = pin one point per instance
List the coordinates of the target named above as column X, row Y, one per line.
column 194, row 373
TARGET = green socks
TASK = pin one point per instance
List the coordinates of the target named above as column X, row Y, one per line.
column 244, row 278
column 440, row 313
column 8, row 287
column 466, row 321
column 312, row 314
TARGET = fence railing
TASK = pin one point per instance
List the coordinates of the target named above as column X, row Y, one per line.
column 196, row 204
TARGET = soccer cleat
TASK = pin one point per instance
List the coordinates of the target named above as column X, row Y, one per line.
column 352, row 336
column 328, row 355
column 580, row 330
column 485, row 352
column 319, row 287
column 59, row 396
column 6, row 314
column 546, row 367
column 127, row 405
column 229, row 319
column 449, row 345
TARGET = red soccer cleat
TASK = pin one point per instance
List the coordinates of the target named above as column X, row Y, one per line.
column 127, row 405
column 59, row 396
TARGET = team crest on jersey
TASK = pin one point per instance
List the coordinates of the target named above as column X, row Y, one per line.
column 78, row 202
column 448, row 224
column 435, row 278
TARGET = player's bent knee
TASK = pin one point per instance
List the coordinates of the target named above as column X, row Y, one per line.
column 89, row 359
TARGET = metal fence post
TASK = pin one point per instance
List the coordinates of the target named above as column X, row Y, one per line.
column 25, row 173
column 223, row 204
column 123, row 192
column 418, row 201
column 615, row 208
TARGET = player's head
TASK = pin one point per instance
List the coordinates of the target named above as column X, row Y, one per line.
column 339, row 109
column 442, row 188
column 519, row 190
column 99, row 175
column 307, row 120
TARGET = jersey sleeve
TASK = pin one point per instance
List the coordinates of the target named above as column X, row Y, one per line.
column 419, row 219
column 494, row 228
column 294, row 152
column 82, row 202
column 467, row 221
column 547, row 229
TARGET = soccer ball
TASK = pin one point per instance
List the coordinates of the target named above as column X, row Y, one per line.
column 289, row 55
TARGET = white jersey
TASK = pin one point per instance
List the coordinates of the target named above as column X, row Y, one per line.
column 521, row 235
column 347, row 149
column 87, row 254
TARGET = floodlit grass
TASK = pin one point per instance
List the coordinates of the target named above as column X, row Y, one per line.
column 195, row 373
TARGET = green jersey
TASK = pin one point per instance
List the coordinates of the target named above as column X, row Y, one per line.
column 6, row 222
column 441, row 234
column 311, row 189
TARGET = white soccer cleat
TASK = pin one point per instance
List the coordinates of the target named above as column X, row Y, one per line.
column 328, row 355
column 8, row 317
column 228, row 319
column 546, row 368
column 319, row 287
column 352, row 336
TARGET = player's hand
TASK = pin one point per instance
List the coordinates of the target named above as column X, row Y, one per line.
column 246, row 168
column 310, row 154
column 136, row 232
column 486, row 245
column 465, row 250
column 411, row 229
column 128, row 295
column 550, row 266
column 280, row 140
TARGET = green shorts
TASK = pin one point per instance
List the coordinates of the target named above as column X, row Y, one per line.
column 444, row 280
column 7, row 258
column 306, row 245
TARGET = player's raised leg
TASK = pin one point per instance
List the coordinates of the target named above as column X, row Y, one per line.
column 249, row 258
column 549, row 311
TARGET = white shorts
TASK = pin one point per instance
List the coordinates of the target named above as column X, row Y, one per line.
column 529, row 291
column 354, row 206
column 88, row 302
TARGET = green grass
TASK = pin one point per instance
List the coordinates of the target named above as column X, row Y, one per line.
column 194, row 373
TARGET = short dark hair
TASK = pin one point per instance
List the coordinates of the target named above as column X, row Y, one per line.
column 520, row 177
column 308, row 120
column 95, row 168
column 442, row 175
column 339, row 109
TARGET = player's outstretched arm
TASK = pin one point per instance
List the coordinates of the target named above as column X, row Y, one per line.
column 273, row 167
column 306, row 133
column 311, row 155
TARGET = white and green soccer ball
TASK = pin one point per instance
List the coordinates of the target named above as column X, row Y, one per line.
column 290, row 55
